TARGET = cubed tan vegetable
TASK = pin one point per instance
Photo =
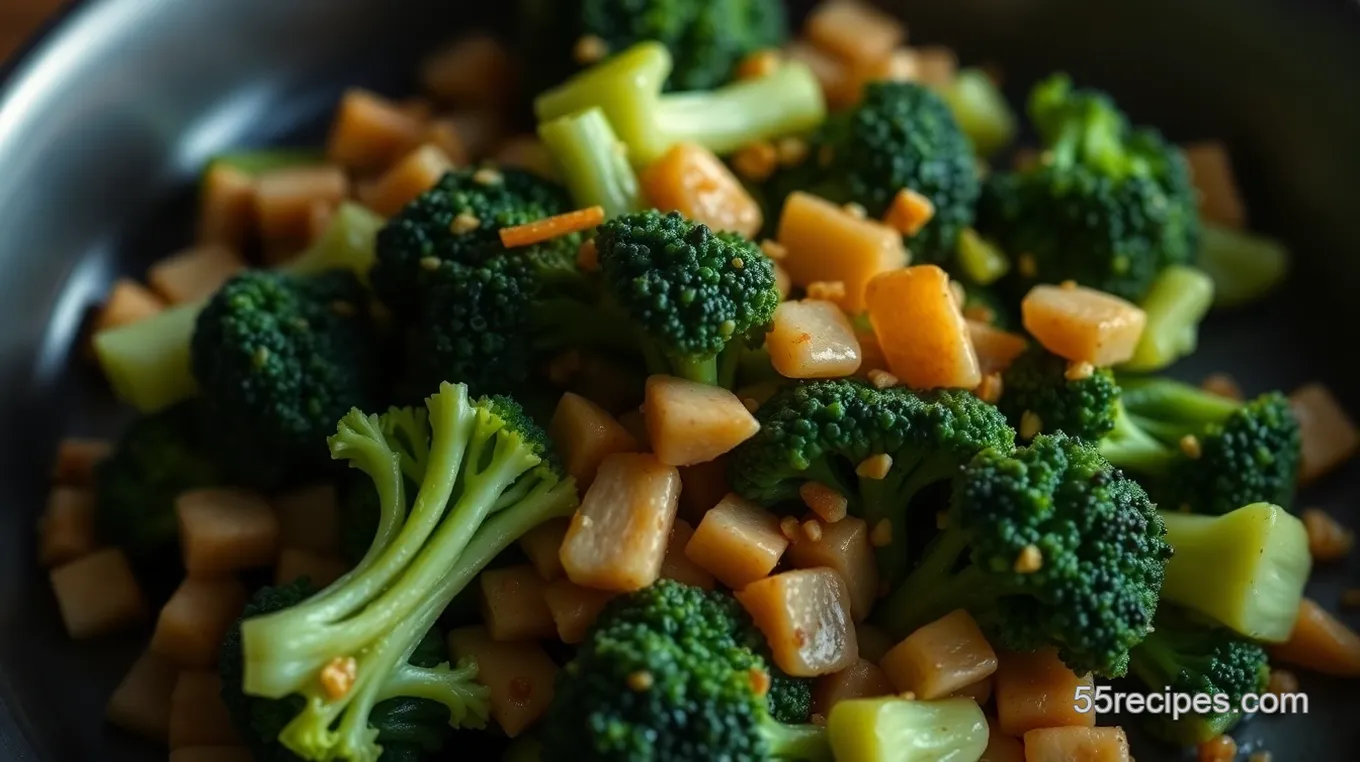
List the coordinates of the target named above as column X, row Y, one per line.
column 920, row 329
column 827, row 243
column 193, row 622
column 226, row 206
column 574, row 608
column 1219, row 199
column 704, row 484
column 690, row 180
column 222, row 530
column 805, row 616
column 1328, row 540
column 843, row 546
column 1002, row 748
column 863, row 679
column 585, row 434
column 617, row 539
column 411, row 176
column 319, row 568
column 76, row 459
column 996, row 349
column 197, row 715
column 512, row 604
column 127, row 303
column 941, row 658
column 212, row 754
column 309, row 518
column 1329, row 434
column 838, row 83
column 812, row 339
column 141, row 702
column 66, row 529
column 898, row 66
column 543, row 546
column 1070, row 744
column 528, row 153
column 874, row 643
column 370, row 132
column 854, row 31
column 519, row 676
column 194, row 274
column 1320, row 642
column 475, row 70
column 1035, row 690
column 738, row 542
column 689, row 422
column 680, row 567
column 284, row 198
column 97, row 594
column 444, row 134
column 909, row 212
column 1083, row 324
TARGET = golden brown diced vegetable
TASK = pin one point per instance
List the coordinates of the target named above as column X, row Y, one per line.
column 934, row 65
column 1036, row 690
column 1220, row 748
column 805, row 616
column 837, row 81
column 141, row 702
column 1001, row 747
column 691, row 180
column 411, row 176
column 618, row 537
column 737, row 541
column 680, row 567
column 226, row 206
column 874, row 643
column 284, row 199
column 1071, row 744
column 66, row 529
column 197, row 715
column 194, row 274
column 543, row 545
column 689, row 422
column 920, row 329
column 854, row 31
column 512, row 604
column 528, row 153
column 212, row 754
column 97, row 594
column 863, row 679
column 475, row 70
column 127, row 303
column 319, row 568
column 585, row 434
column 843, row 546
column 1219, row 199
column 574, row 608
column 812, row 339
column 827, row 243
column 193, row 622
column 1320, row 642
column 370, row 132
column 519, row 676
column 703, row 485
column 1327, row 539
column 1082, row 324
column 1329, row 435
column 941, row 658
column 223, row 530
column 996, row 349
column 309, row 518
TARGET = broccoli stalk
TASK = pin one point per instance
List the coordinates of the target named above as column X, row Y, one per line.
column 981, row 110
column 628, row 88
column 893, row 729
column 1178, row 300
column 484, row 479
column 593, row 161
column 1057, row 549
column 1244, row 267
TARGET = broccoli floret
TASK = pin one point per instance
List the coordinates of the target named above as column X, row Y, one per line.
column 627, row 88
column 593, row 161
column 698, row 298
column 1058, row 549
column 158, row 457
column 1107, row 205
column 821, row 431
column 1202, row 452
column 485, row 476
column 280, row 358
column 900, row 135
column 707, row 38
column 1178, row 300
column 1187, row 657
column 666, row 674
column 409, row 728
column 1038, row 396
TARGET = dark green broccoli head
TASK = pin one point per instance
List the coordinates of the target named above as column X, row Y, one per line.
column 279, row 359
column 159, row 456
column 698, row 297
column 1037, row 384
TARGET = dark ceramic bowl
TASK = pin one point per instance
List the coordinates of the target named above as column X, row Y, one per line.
column 106, row 118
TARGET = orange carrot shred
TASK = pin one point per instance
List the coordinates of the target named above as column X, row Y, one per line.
column 549, row 228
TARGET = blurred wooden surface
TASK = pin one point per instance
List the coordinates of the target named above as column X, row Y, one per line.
column 18, row 19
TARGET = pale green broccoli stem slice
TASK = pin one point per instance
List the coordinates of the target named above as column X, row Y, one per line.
column 982, row 261
column 981, row 110
column 1243, row 266
column 147, row 362
column 1245, row 569
column 893, row 729
column 1178, row 300
column 627, row 87
column 260, row 161
column 594, row 162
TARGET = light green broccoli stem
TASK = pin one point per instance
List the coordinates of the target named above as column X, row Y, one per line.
column 1244, row 267
column 1178, row 300
column 594, row 162
column 260, row 161
column 891, row 729
column 981, row 110
column 983, row 262
column 889, row 499
column 1169, row 409
column 803, row 743
column 1129, row 446
column 933, row 588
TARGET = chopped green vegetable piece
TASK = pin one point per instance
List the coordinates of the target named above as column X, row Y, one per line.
column 981, row 260
column 981, row 110
column 258, row 162
column 1179, row 299
column 1244, row 267
column 593, row 161
column 893, row 729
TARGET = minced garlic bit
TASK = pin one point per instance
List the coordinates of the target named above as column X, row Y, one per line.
column 260, row 357
column 1327, row 540
column 827, row 503
column 641, row 680
column 589, row 49
column 588, row 257
column 1031, row 425
column 488, row 176
column 738, row 263
column 464, row 223
column 1068, row 285
column 874, row 466
column 750, row 404
column 882, row 379
column 1026, row 265
column 761, row 63
column 1218, row 749
column 756, row 161
column 989, row 390
column 826, row 290
column 1282, row 681
column 1223, row 385
column 429, row 263
column 1030, row 560
column 907, row 695
column 760, row 680
column 789, row 527
column 855, row 210
column 1079, row 370
column 881, row 536
column 812, row 530
column 1351, row 597
column 338, row 676
column 791, row 151
column 909, row 212
column 774, row 249
column 1190, row 445
column 1261, row 756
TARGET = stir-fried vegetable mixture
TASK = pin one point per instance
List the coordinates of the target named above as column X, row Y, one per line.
column 762, row 401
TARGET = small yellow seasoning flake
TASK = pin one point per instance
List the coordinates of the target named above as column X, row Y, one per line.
column 464, row 223
column 1190, row 445
column 756, row 161
column 1030, row 560
column 338, row 676
column 1030, row 424
column 874, row 467
column 882, row 379
column 641, row 680
column 589, row 49
column 881, row 535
